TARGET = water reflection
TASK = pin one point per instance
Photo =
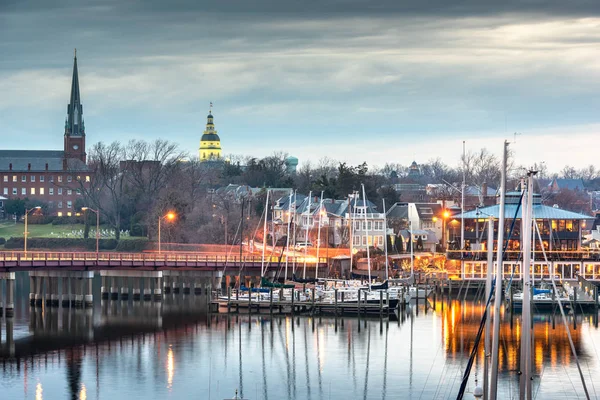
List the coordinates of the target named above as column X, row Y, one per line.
column 135, row 349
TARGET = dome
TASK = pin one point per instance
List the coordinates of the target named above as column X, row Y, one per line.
column 210, row 137
column 209, row 115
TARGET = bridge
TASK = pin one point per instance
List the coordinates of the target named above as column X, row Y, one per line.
column 11, row 261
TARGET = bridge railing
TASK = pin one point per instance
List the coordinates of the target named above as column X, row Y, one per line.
column 167, row 257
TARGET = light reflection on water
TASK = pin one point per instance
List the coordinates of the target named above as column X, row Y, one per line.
column 174, row 350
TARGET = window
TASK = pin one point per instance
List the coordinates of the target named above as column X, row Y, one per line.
column 364, row 240
column 59, row 214
column 23, row 178
column 51, row 178
column 32, row 191
column 5, row 178
column 60, row 178
column 41, row 191
column 51, row 191
column 69, row 192
column 69, row 204
column 50, row 204
column 356, row 225
column 14, row 191
column 59, row 191
column 24, row 191
column 5, row 190
column 78, row 191
column 379, row 240
column 369, row 225
column 426, row 211
column 60, row 206
column 32, row 178
column 69, row 178
column 14, row 178
column 69, row 214
column 356, row 241
column 42, row 178
column 87, row 178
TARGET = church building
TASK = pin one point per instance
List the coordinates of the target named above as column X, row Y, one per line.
column 210, row 143
column 51, row 177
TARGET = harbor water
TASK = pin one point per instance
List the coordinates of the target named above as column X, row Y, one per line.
column 175, row 349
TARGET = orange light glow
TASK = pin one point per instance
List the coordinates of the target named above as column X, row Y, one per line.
column 170, row 216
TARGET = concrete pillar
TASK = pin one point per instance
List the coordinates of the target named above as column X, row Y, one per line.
column 104, row 289
column 73, row 291
column 10, row 297
column 147, row 289
column 48, row 293
column 54, row 297
column 125, row 289
column 136, row 288
column 32, row 283
column 175, row 284
column 157, row 289
column 186, row 285
column 39, row 290
column 65, row 298
column 114, row 288
column 197, row 286
column 167, row 284
column 1, row 305
column 10, row 342
column 88, row 300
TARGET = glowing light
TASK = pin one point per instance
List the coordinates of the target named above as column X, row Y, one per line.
column 170, row 216
column 38, row 391
column 170, row 368
column 83, row 392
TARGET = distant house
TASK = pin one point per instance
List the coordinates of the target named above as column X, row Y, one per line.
column 571, row 184
column 423, row 240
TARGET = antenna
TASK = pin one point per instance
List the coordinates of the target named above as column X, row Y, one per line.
column 515, row 136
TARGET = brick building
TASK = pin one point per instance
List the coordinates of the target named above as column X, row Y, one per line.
column 50, row 176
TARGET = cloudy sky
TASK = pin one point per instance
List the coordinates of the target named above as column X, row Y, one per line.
column 352, row 80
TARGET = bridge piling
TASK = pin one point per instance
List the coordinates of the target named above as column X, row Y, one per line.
column 114, row 288
column 65, row 300
column 147, row 290
column 10, row 296
column 39, row 290
column 157, row 289
column 89, row 297
column 166, row 282
column 54, row 296
column 31, row 290
column 136, row 284
column 175, row 284
column 125, row 289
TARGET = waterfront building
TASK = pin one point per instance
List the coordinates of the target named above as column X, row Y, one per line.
column 210, row 143
column 52, row 177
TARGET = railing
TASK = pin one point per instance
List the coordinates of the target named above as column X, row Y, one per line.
column 554, row 255
column 167, row 257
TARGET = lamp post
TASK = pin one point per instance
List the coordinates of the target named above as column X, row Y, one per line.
column 170, row 216
column 84, row 209
column 27, row 233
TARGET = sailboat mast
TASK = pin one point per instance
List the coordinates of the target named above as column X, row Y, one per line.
column 526, row 361
column 287, row 242
column 262, row 265
column 488, row 292
column 412, row 256
column 385, row 240
column 498, row 288
column 295, row 224
column 319, row 236
column 350, row 227
column 367, row 233
column 306, row 235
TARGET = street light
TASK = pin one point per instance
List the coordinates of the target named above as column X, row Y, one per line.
column 97, row 226
column 27, row 233
column 170, row 216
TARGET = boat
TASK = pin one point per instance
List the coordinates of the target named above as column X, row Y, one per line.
column 236, row 396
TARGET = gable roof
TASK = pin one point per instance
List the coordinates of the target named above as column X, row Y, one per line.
column 571, row 184
column 398, row 211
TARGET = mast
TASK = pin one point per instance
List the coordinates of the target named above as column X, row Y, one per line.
column 412, row 256
column 287, row 244
column 367, row 234
column 350, row 235
column 498, row 288
column 462, row 203
column 526, row 355
column 488, row 292
column 319, row 236
column 306, row 236
column 262, row 265
column 385, row 241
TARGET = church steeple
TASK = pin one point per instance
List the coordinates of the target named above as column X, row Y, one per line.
column 74, row 145
column 74, row 125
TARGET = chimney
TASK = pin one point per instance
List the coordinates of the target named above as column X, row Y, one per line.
column 29, row 167
column 484, row 189
column 10, row 167
column 46, row 166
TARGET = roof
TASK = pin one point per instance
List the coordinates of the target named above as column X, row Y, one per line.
column 477, row 190
column 398, row 211
column 210, row 137
column 431, row 236
column 427, row 211
column 21, row 161
column 571, row 184
column 540, row 211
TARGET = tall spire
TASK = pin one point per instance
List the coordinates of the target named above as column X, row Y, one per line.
column 75, row 125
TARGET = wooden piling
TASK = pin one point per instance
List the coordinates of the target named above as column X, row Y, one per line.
column 271, row 301
column 237, row 301
column 293, row 301
column 250, row 299
column 312, row 309
column 358, row 305
column 228, row 299
column 336, row 305
column 365, row 305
